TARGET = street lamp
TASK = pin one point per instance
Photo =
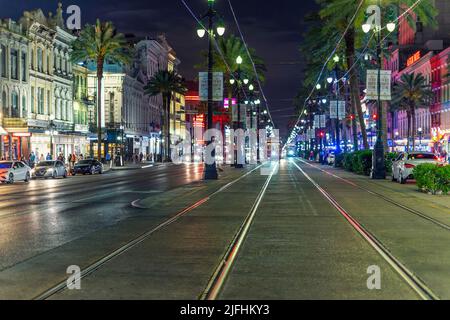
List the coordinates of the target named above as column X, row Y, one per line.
column 51, row 131
column 374, row 22
column 420, row 137
column 211, row 14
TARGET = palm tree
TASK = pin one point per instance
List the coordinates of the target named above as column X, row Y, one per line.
column 100, row 43
column 165, row 83
column 337, row 15
column 410, row 93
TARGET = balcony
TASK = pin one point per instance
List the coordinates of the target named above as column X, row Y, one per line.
column 18, row 123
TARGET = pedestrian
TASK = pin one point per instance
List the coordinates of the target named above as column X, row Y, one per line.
column 32, row 159
column 48, row 157
column 141, row 157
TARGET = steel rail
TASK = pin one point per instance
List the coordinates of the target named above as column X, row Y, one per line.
column 225, row 265
column 136, row 241
column 408, row 276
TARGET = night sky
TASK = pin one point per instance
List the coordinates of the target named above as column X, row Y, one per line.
column 273, row 28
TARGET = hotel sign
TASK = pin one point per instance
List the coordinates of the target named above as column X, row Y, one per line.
column 413, row 58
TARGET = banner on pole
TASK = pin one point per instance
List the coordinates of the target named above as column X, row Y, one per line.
column 217, row 86
column 337, row 110
column 372, row 85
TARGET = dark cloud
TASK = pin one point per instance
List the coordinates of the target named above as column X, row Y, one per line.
column 273, row 28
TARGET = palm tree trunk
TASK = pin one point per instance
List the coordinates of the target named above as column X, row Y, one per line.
column 99, row 108
column 413, row 133
column 168, row 101
column 408, row 115
column 354, row 83
column 354, row 127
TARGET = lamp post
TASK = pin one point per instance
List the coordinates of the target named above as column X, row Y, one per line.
column 51, row 132
column 420, row 138
column 239, row 84
column 374, row 22
column 338, row 139
column 211, row 14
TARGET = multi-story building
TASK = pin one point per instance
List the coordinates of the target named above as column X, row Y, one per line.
column 37, row 87
column 83, row 109
column 14, row 90
column 131, row 117
column 422, row 50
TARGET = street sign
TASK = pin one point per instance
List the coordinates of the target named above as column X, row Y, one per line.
column 372, row 85
column 217, row 86
column 337, row 108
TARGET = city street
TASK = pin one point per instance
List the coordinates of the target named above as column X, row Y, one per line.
column 305, row 232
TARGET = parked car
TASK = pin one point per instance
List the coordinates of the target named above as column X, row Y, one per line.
column 87, row 167
column 404, row 164
column 49, row 169
column 12, row 171
column 331, row 158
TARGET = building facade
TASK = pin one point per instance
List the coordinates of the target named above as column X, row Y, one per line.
column 36, row 88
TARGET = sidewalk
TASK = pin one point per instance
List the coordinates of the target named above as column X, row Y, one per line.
column 408, row 194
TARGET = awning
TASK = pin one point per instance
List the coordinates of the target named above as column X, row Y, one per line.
column 3, row 131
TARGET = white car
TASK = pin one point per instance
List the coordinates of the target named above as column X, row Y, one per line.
column 331, row 159
column 404, row 164
column 49, row 169
column 11, row 171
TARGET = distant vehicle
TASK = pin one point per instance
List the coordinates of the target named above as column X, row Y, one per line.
column 331, row 159
column 49, row 169
column 12, row 171
column 87, row 167
column 404, row 164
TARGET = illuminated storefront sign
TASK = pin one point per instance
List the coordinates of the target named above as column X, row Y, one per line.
column 413, row 59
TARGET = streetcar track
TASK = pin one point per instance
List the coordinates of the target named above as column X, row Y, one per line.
column 221, row 272
column 407, row 275
column 387, row 199
column 136, row 241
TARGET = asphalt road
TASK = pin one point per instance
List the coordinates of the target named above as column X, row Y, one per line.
column 298, row 245
column 45, row 214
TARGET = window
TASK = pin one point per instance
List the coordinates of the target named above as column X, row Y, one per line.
column 40, row 100
column 5, row 105
column 32, row 104
column 23, row 66
column 24, row 107
column 40, row 61
column 3, row 60
column 15, row 105
column 14, row 64
column 32, row 59
column 48, row 102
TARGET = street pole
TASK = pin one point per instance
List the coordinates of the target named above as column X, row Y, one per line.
column 338, row 139
column 258, row 157
column 378, row 165
column 210, row 169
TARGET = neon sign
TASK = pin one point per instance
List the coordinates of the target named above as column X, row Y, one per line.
column 413, row 59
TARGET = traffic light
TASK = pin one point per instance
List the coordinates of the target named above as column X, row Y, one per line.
column 352, row 117
column 322, row 134
column 375, row 116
